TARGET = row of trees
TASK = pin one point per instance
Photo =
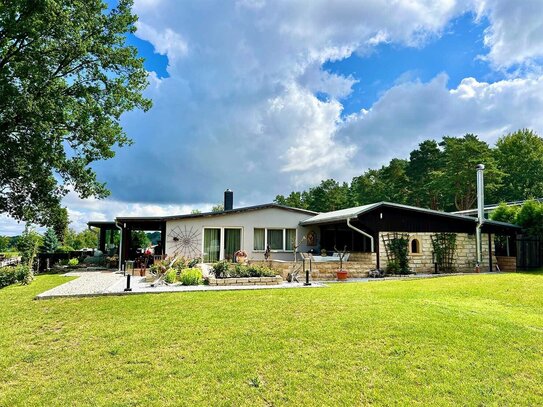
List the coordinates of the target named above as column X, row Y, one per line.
column 439, row 176
column 529, row 216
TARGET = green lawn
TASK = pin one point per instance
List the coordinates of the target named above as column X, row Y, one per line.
column 472, row 340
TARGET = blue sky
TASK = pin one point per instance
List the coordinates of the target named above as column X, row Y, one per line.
column 456, row 52
column 266, row 97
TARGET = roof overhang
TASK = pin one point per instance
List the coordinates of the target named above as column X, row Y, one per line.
column 353, row 213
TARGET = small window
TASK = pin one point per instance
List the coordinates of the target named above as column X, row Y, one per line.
column 415, row 246
column 259, row 243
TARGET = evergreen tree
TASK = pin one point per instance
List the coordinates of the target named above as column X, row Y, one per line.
column 50, row 241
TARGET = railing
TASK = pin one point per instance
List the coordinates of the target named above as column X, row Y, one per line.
column 12, row 261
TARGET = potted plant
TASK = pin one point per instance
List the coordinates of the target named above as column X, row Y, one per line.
column 341, row 274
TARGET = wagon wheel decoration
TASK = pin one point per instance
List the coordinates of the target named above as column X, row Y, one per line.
column 185, row 242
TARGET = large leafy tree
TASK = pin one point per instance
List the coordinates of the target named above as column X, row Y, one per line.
column 457, row 178
column 66, row 77
column 329, row 195
column 520, row 156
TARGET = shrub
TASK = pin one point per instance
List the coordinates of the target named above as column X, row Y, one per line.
column 191, row 276
column 194, row 262
column 171, row 276
column 221, row 269
column 24, row 274
column 19, row 274
column 73, row 262
column 64, row 249
column 7, row 276
column 260, row 271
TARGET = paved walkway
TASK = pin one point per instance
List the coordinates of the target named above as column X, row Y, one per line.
column 95, row 283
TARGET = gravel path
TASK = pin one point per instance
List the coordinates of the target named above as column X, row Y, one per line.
column 88, row 283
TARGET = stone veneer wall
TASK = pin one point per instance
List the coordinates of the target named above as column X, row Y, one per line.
column 246, row 281
column 465, row 255
column 325, row 270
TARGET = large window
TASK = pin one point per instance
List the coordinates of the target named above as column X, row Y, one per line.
column 212, row 245
column 260, row 239
column 221, row 243
column 276, row 239
column 232, row 242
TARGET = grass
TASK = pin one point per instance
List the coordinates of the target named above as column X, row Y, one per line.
column 471, row 340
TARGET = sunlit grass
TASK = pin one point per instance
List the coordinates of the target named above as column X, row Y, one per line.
column 471, row 340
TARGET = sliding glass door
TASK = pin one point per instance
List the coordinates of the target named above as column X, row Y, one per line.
column 212, row 245
column 232, row 242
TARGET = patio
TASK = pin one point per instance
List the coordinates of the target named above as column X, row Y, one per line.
column 103, row 283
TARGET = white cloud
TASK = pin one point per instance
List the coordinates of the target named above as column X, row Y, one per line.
column 412, row 112
column 516, row 31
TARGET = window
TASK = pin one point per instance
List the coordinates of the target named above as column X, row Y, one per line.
column 232, row 242
column 276, row 239
column 221, row 243
column 415, row 246
column 212, row 245
column 259, row 239
column 290, row 239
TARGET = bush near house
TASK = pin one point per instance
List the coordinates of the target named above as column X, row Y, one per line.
column 191, row 276
column 224, row 269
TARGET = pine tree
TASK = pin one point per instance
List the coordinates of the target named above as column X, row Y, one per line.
column 50, row 241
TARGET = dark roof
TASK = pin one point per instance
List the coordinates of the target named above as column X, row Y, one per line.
column 209, row 214
column 350, row 213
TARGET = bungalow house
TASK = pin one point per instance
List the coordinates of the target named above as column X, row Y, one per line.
column 288, row 232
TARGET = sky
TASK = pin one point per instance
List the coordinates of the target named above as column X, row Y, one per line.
column 266, row 97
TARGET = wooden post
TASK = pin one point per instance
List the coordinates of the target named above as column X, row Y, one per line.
column 490, row 252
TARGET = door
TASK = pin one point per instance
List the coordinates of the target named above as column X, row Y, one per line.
column 232, row 242
column 212, row 245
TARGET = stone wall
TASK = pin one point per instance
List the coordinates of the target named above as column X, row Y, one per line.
column 465, row 255
column 323, row 270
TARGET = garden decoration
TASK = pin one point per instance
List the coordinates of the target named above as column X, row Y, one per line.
column 267, row 253
column 340, row 273
column 160, row 272
column 240, row 257
column 186, row 242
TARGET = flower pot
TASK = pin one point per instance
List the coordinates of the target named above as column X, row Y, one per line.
column 341, row 275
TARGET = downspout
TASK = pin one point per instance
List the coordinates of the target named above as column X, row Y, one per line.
column 120, row 244
column 480, row 214
column 361, row 232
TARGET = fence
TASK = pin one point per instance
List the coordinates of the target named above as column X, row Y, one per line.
column 529, row 253
column 12, row 261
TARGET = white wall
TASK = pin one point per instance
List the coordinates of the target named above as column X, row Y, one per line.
column 247, row 221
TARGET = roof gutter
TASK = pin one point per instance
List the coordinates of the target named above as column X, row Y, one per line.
column 361, row 232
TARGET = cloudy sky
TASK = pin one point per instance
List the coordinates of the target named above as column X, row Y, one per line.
column 264, row 97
